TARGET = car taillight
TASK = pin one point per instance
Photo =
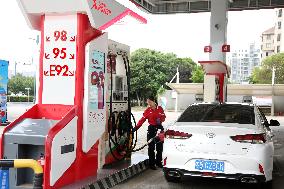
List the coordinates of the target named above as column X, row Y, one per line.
column 165, row 161
column 250, row 138
column 260, row 169
column 177, row 134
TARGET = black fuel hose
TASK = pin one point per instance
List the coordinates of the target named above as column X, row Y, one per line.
column 116, row 118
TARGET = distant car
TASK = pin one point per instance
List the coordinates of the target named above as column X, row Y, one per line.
column 222, row 141
column 247, row 99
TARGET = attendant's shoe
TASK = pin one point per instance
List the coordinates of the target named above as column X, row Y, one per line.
column 159, row 165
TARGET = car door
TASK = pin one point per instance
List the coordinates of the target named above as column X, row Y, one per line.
column 265, row 125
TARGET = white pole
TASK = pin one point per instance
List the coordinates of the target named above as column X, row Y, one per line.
column 177, row 76
column 177, row 81
column 272, row 91
column 273, row 75
column 176, row 105
column 28, row 89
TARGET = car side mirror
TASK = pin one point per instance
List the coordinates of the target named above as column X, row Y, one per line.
column 274, row 123
column 266, row 124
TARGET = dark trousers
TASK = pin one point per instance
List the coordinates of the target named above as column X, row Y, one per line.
column 155, row 144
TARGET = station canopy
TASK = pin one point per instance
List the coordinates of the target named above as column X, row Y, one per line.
column 195, row 6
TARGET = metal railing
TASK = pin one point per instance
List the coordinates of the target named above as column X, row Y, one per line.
column 26, row 163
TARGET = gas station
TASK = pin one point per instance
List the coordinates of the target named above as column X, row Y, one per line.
column 82, row 122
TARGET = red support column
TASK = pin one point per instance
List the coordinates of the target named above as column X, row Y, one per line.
column 221, row 91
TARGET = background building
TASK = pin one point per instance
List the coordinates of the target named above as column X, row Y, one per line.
column 272, row 41
column 278, row 33
column 267, row 42
column 243, row 61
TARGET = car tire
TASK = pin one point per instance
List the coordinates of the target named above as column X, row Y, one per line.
column 265, row 185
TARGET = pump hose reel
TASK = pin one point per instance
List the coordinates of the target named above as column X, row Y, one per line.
column 120, row 123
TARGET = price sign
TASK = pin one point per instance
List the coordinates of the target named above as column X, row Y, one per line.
column 59, row 60
column 60, row 56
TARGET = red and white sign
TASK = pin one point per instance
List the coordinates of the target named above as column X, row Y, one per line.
column 95, row 91
column 103, row 12
column 226, row 48
column 208, row 49
column 59, row 60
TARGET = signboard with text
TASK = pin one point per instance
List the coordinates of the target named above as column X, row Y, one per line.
column 59, row 59
column 103, row 12
column 207, row 49
column 97, row 75
column 94, row 114
column 226, row 48
column 3, row 90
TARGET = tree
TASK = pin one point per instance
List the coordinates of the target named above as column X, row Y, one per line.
column 148, row 72
column 197, row 75
column 263, row 74
column 185, row 67
column 19, row 82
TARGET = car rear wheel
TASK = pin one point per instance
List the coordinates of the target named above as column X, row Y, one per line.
column 265, row 185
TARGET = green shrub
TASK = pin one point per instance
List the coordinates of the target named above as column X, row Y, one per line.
column 19, row 99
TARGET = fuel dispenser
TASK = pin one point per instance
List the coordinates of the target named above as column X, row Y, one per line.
column 67, row 129
column 215, row 80
column 119, row 142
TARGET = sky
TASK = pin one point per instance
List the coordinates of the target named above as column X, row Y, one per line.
column 182, row 34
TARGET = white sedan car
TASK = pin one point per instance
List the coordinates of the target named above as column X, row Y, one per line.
column 226, row 141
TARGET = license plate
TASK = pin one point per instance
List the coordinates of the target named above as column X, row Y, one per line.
column 209, row 165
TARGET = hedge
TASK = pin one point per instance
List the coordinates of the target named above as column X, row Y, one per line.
column 20, row 99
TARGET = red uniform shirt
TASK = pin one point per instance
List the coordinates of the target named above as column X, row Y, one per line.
column 152, row 115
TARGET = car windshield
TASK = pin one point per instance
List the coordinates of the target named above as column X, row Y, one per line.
column 222, row 113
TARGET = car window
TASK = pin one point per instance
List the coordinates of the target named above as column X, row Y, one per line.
column 223, row 113
column 263, row 119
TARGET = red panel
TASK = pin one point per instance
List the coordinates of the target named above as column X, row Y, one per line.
column 85, row 165
column 221, row 87
column 38, row 111
column 52, row 111
column 41, row 61
column 71, row 175
column 48, row 143
column 122, row 15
